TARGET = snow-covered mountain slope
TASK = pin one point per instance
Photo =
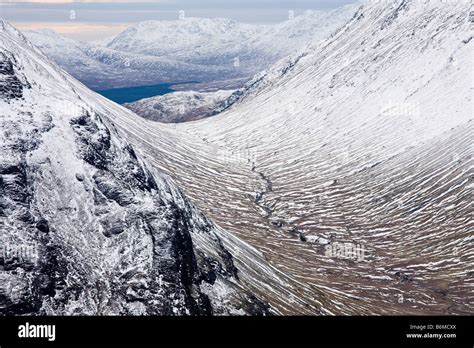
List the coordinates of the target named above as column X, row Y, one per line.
column 297, row 32
column 347, row 168
column 362, row 142
column 87, row 226
column 190, row 49
column 180, row 107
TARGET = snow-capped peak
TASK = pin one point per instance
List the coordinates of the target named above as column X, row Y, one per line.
column 165, row 37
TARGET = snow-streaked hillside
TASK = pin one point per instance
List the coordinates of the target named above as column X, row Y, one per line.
column 346, row 169
column 180, row 107
column 190, row 49
column 301, row 30
column 367, row 139
column 363, row 140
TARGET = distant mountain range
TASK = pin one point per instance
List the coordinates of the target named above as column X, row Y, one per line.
column 185, row 50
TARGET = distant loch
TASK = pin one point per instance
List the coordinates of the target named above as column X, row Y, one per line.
column 132, row 94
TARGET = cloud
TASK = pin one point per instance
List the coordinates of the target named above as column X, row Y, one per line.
column 76, row 1
column 78, row 31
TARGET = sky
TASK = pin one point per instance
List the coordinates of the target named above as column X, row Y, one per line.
column 90, row 20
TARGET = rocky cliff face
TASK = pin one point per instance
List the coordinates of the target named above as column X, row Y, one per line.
column 10, row 85
column 87, row 227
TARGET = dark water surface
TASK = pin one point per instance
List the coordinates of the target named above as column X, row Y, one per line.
column 132, row 94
